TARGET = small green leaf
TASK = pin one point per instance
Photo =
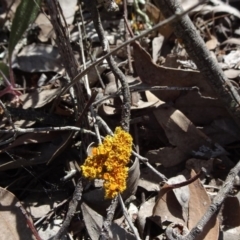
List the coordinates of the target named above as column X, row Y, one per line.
column 5, row 70
column 25, row 14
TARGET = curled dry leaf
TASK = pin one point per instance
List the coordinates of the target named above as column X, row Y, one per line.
column 167, row 208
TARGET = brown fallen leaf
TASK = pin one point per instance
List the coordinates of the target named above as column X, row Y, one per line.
column 155, row 75
column 198, row 205
column 14, row 223
column 200, row 110
column 169, row 205
column 38, row 99
column 185, row 138
column 47, row 146
column 38, row 58
column 212, row 43
column 144, row 212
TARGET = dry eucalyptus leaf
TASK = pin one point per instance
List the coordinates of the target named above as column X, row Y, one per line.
column 234, row 41
column 212, row 43
column 167, row 156
column 198, row 204
column 232, row 58
column 38, row 99
column 153, row 12
column 182, row 134
column 13, row 223
column 46, row 27
column 94, row 221
column 155, row 75
column 167, row 207
column 200, row 110
column 232, row 73
column 44, row 152
column 218, row 7
column 38, row 58
column 31, row 138
column 156, row 47
column 68, row 9
column 230, row 214
column 182, row 194
column 144, row 212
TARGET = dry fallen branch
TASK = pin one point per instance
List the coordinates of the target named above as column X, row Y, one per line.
column 196, row 48
column 77, row 195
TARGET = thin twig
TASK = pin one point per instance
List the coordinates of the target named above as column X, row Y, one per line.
column 108, row 221
column 125, row 16
column 113, row 66
column 48, row 129
column 11, row 123
column 127, row 218
column 77, row 195
column 145, row 161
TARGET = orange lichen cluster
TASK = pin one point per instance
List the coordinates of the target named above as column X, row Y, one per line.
column 108, row 162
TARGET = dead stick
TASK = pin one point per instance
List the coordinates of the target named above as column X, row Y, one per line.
column 196, row 48
column 77, row 195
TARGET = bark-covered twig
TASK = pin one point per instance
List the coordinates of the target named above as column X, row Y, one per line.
column 113, row 66
column 77, row 195
column 125, row 213
column 146, row 162
column 125, row 15
column 196, row 48
column 7, row 114
column 108, row 221
column 48, row 129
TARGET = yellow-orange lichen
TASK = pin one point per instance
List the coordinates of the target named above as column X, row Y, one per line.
column 108, row 162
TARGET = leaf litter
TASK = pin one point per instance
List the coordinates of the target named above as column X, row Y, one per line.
column 179, row 125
